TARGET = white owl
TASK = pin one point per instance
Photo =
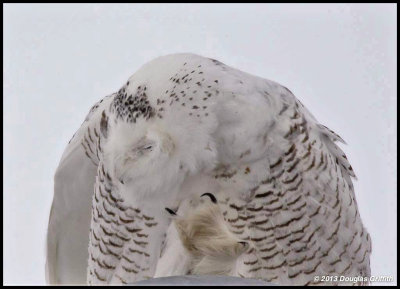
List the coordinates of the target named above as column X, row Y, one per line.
column 184, row 125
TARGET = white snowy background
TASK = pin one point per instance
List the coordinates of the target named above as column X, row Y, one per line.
column 339, row 60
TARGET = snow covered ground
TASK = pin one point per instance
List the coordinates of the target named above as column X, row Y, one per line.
column 205, row 280
column 339, row 60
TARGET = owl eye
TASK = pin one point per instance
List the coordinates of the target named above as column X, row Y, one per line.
column 144, row 148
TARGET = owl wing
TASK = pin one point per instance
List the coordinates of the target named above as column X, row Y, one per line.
column 69, row 221
column 120, row 250
column 302, row 217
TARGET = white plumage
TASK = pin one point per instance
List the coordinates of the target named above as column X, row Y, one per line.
column 184, row 125
column 200, row 242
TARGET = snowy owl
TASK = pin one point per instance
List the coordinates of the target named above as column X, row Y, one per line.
column 202, row 240
column 184, row 125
